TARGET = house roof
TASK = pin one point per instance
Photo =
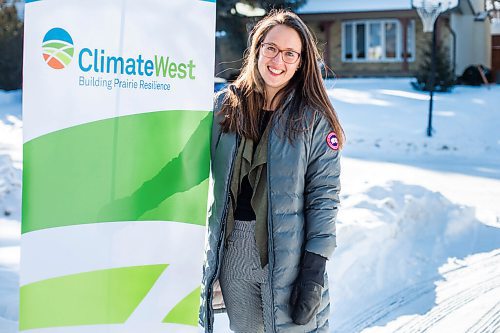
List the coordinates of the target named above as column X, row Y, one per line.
column 336, row 6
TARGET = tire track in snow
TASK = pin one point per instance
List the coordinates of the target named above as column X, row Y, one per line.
column 490, row 281
column 383, row 308
column 489, row 323
column 423, row 323
column 370, row 316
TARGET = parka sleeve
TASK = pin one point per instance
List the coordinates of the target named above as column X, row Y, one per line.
column 216, row 119
column 322, row 187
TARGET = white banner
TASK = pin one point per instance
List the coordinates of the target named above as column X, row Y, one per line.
column 117, row 101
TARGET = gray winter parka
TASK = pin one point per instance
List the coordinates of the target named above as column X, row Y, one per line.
column 303, row 199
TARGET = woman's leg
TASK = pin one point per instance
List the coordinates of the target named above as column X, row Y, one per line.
column 267, row 307
column 243, row 305
column 241, row 279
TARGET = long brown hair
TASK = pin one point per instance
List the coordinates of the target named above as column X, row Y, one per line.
column 245, row 97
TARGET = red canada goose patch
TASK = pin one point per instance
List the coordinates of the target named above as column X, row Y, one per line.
column 332, row 141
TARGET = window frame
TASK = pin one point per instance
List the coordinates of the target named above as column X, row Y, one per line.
column 381, row 22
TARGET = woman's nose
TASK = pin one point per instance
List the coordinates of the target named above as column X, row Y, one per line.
column 278, row 58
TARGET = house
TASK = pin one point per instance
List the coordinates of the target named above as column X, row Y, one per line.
column 386, row 38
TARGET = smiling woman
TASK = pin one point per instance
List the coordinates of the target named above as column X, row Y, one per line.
column 276, row 169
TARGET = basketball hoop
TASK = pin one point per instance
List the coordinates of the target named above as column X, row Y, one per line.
column 429, row 10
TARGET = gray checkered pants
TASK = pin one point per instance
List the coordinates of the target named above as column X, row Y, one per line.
column 244, row 283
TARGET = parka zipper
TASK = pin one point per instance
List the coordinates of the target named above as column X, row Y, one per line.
column 221, row 238
column 270, row 239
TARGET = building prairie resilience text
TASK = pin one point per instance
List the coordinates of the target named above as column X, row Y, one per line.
column 117, row 83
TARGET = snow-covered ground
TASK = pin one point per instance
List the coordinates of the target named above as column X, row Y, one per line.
column 419, row 228
column 10, row 207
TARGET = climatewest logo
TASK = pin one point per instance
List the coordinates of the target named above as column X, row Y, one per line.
column 98, row 66
column 57, row 48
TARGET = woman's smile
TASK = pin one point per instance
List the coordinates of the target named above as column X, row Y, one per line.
column 275, row 71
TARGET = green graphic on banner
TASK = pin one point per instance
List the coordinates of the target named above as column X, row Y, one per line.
column 100, row 297
column 186, row 312
column 150, row 166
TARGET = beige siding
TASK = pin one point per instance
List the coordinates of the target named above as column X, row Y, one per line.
column 473, row 42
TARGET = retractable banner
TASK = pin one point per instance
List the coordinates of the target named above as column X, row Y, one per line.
column 117, row 103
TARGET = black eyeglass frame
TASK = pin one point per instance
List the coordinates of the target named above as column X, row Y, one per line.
column 280, row 51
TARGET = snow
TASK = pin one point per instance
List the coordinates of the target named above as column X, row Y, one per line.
column 339, row 6
column 419, row 227
column 495, row 28
column 10, row 207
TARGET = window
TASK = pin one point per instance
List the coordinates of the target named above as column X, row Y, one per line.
column 348, row 42
column 390, row 40
column 360, row 41
column 376, row 41
column 410, row 40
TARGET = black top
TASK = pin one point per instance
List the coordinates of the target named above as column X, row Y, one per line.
column 244, row 210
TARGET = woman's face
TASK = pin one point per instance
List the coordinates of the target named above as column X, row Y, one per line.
column 274, row 71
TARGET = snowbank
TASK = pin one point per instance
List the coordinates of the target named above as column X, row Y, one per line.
column 11, row 126
column 10, row 189
column 394, row 243
column 10, row 208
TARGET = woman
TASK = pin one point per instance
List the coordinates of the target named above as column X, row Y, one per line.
column 275, row 164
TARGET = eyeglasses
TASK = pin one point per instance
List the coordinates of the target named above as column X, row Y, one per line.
column 269, row 50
